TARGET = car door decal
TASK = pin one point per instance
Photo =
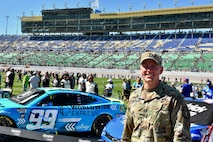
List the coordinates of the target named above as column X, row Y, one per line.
column 42, row 119
column 70, row 126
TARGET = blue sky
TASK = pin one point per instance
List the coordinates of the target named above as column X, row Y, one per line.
column 14, row 8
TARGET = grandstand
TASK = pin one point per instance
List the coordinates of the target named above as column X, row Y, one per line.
column 99, row 53
column 79, row 37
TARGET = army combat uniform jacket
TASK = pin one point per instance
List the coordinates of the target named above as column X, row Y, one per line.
column 162, row 117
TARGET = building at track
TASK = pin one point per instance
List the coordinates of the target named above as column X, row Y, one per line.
column 86, row 21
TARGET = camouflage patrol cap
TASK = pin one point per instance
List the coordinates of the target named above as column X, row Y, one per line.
column 152, row 56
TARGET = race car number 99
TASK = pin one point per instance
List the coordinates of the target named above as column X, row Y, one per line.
column 42, row 119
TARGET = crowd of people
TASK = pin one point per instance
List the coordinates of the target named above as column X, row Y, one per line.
column 34, row 79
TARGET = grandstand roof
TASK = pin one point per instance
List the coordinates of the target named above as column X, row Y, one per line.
column 166, row 11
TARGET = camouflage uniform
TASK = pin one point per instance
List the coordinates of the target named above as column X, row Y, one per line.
column 162, row 117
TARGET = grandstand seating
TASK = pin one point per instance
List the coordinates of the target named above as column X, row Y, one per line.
column 183, row 51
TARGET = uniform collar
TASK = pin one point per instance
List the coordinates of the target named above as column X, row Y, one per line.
column 154, row 93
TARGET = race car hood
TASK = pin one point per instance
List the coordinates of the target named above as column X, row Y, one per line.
column 201, row 110
column 6, row 103
column 118, row 124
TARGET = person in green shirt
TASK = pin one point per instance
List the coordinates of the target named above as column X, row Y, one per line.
column 25, row 82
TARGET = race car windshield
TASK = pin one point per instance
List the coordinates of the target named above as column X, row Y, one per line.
column 27, row 96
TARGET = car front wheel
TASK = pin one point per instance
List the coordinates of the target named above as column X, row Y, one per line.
column 7, row 122
column 100, row 123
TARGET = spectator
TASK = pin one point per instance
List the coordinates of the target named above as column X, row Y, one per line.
column 20, row 75
column 208, row 90
column 6, row 81
column 194, row 93
column 34, row 81
column 163, row 79
column 108, row 88
column 126, row 85
column 186, row 88
column 25, row 82
column 45, row 80
column 39, row 75
column 55, row 81
column 82, row 83
column 137, row 84
column 65, row 82
column 91, row 86
column 173, row 85
column 199, row 91
column 11, row 78
column 72, row 81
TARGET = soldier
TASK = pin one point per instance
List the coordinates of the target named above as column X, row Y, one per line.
column 157, row 112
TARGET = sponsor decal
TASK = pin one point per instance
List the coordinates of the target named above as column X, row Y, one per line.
column 16, row 132
column 196, row 109
column 84, row 113
column 22, row 110
column 42, row 119
column 200, row 110
column 69, row 120
column 7, row 119
column 113, row 107
column 3, row 111
column 48, row 137
column 82, row 126
column 21, row 121
column 70, row 126
column 90, row 107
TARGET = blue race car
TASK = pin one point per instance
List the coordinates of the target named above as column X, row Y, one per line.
column 58, row 110
column 201, row 111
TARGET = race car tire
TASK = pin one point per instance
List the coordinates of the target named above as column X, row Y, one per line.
column 8, row 122
column 6, row 95
column 99, row 124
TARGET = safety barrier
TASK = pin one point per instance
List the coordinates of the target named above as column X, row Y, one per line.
column 33, row 135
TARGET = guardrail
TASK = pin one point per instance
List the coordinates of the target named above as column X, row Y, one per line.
column 34, row 135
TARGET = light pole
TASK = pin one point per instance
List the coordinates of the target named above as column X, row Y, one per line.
column 43, row 6
column 119, row 9
column 192, row 2
column 65, row 5
column 159, row 5
column 7, row 17
column 144, row 6
column 32, row 13
column 90, row 4
column 77, row 4
column 17, row 25
column 53, row 6
column 103, row 9
column 130, row 7
column 175, row 3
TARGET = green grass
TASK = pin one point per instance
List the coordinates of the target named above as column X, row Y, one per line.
column 17, row 87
